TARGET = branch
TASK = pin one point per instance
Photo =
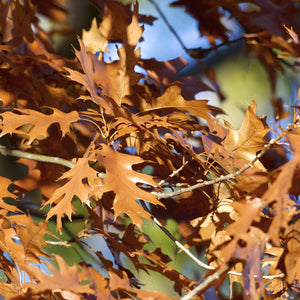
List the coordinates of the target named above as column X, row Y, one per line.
column 197, row 53
column 194, row 258
column 38, row 157
column 180, row 246
column 54, row 243
column 162, row 195
column 169, row 25
column 206, row 283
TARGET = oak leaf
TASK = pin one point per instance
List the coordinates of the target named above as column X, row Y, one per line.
column 11, row 122
column 122, row 180
column 172, row 101
column 4, row 193
column 251, row 251
column 87, row 79
column 162, row 74
column 278, row 193
column 76, row 185
column 292, row 258
column 67, row 278
column 23, row 16
column 243, row 144
column 93, row 39
column 32, row 238
column 129, row 57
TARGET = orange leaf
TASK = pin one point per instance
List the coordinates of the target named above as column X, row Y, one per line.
column 172, row 101
column 93, row 39
column 122, row 180
column 65, row 279
column 4, row 193
column 11, row 122
column 87, row 79
column 76, row 186
column 244, row 143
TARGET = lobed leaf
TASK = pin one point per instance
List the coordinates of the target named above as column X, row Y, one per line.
column 12, row 122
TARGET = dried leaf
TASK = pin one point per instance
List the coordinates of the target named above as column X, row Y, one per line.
column 162, row 74
column 93, row 39
column 4, row 193
column 129, row 57
column 65, row 279
column 172, row 101
column 122, row 180
column 243, row 144
column 11, row 122
column 76, row 185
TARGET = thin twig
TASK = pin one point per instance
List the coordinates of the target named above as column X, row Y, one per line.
column 162, row 195
column 180, row 246
column 38, row 157
column 197, row 52
column 163, row 181
column 169, row 25
column 206, row 283
column 54, row 243
column 195, row 259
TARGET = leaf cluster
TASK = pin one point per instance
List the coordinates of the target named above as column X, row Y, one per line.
column 133, row 146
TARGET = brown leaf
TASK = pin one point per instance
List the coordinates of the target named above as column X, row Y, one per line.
column 162, row 74
column 278, row 193
column 52, row 9
column 122, row 180
column 31, row 234
column 248, row 211
column 39, row 53
column 209, row 16
column 87, row 79
column 93, row 39
column 129, row 57
column 115, row 21
column 270, row 16
column 251, row 250
column 33, row 240
column 76, row 185
column 4, row 193
column 65, row 279
column 172, row 101
column 11, row 122
column 243, row 144
column 292, row 258
column 23, row 16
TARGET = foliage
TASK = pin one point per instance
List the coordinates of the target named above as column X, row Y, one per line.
column 127, row 143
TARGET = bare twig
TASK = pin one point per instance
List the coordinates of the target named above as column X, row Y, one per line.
column 194, row 258
column 207, row 282
column 197, row 53
column 173, row 174
column 162, row 195
column 180, row 246
column 169, row 25
column 54, row 243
